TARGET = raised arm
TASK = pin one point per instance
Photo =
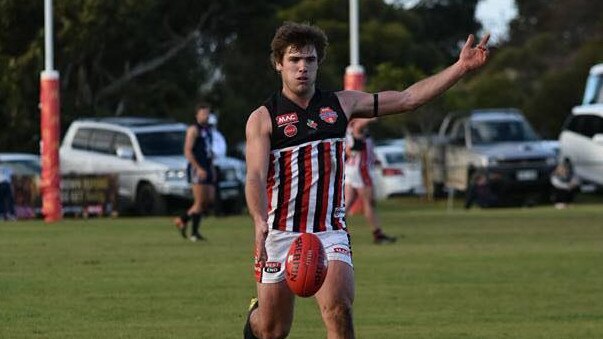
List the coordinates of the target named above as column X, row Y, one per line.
column 361, row 105
column 257, row 156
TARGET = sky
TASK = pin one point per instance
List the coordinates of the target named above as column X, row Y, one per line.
column 493, row 14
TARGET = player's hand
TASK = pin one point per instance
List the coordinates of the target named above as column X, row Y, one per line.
column 261, row 256
column 474, row 57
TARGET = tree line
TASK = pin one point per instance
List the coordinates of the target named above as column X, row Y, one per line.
column 158, row 57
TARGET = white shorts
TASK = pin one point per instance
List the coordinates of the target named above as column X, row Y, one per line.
column 358, row 176
column 336, row 243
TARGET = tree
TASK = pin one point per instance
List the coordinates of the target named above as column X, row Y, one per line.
column 543, row 67
column 143, row 57
column 246, row 76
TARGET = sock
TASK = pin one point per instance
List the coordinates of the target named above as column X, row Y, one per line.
column 196, row 223
column 185, row 218
column 377, row 233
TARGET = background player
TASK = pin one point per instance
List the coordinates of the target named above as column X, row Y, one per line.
column 360, row 158
column 200, row 171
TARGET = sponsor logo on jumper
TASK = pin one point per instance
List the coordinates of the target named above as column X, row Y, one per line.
column 290, row 130
column 328, row 115
column 272, row 267
column 339, row 212
column 285, row 119
column 312, row 124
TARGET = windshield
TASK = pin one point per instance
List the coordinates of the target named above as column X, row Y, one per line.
column 395, row 158
column 161, row 143
column 23, row 167
column 488, row 132
column 593, row 93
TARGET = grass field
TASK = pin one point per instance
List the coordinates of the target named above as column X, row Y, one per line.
column 506, row 273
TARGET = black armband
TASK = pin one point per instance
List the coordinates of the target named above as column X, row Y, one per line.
column 375, row 105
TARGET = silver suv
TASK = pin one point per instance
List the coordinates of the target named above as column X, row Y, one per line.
column 147, row 155
column 498, row 142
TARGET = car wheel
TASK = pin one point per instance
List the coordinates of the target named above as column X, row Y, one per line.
column 470, row 173
column 148, row 201
column 439, row 190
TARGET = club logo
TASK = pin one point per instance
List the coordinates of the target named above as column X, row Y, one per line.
column 328, row 115
column 285, row 119
column 339, row 212
column 290, row 130
column 312, row 124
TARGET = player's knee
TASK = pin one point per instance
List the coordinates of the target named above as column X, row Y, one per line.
column 339, row 314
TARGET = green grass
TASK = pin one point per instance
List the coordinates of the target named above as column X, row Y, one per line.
column 505, row 273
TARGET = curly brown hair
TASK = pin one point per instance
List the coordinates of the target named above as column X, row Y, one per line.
column 201, row 104
column 297, row 35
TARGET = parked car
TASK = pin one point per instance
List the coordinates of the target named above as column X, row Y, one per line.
column 581, row 137
column 593, row 91
column 395, row 171
column 147, row 154
column 26, row 171
column 500, row 143
column 581, row 142
column 22, row 163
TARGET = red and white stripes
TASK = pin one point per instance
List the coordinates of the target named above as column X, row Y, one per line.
column 363, row 160
column 305, row 187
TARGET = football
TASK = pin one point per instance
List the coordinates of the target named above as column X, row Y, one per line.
column 306, row 265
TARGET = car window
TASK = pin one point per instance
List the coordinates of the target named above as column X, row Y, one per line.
column 585, row 125
column 487, row 132
column 395, row 158
column 458, row 132
column 589, row 125
column 80, row 140
column 597, row 125
column 23, row 167
column 593, row 93
column 121, row 140
column 572, row 123
column 101, row 140
column 161, row 143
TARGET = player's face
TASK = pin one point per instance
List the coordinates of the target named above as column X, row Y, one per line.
column 202, row 116
column 298, row 70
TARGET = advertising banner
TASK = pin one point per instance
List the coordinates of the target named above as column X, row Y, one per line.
column 81, row 195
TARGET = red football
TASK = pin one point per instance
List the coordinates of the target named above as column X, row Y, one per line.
column 306, row 265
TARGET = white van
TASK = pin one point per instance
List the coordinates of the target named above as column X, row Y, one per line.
column 581, row 138
column 581, row 142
